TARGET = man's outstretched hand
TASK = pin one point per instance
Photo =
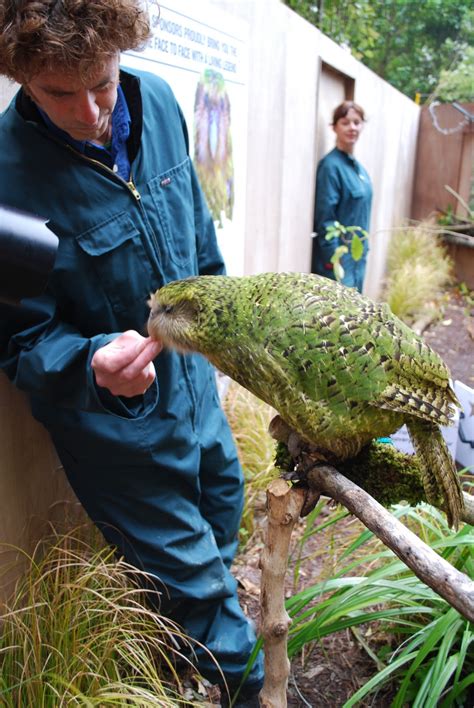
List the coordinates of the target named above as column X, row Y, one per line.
column 125, row 365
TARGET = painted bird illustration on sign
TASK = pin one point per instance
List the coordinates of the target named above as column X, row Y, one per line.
column 339, row 368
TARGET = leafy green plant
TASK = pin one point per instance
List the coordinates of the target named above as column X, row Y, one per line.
column 449, row 218
column 352, row 238
column 79, row 631
column 455, row 84
column 434, row 660
column 409, row 44
column 418, row 271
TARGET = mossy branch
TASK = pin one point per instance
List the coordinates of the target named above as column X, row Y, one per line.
column 388, row 475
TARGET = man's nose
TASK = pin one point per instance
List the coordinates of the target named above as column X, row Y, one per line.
column 86, row 108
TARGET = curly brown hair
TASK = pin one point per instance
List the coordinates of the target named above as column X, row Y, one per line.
column 73, row 35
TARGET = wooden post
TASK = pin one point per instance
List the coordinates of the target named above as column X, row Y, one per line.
column 284, row 504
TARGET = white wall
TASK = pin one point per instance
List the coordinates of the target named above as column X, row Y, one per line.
column 7, row 90
column 285, row 56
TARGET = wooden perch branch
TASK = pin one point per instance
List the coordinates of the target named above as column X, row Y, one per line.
column 284, row 504
column 386, row 474
column 391, row 476
column 455, row 587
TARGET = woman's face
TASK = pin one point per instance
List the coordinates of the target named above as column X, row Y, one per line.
column 348, row 129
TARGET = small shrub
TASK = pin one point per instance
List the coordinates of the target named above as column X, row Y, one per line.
column 249, row 418
column 433, row 663
column 418, row 270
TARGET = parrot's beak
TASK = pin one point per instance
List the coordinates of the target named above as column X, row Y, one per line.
column 151, row 318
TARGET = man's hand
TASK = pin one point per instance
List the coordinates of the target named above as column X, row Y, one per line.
column 125, row 366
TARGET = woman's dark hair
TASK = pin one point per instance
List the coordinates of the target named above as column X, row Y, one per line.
column 73, row 35
column 343, row 109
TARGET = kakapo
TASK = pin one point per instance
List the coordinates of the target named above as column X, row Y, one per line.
column 339, row 368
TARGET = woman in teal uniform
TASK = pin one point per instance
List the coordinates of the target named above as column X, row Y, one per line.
column 343, row 195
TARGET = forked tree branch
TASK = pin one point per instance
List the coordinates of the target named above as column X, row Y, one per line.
column 284, row 505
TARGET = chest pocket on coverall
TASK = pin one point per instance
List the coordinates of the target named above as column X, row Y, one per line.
column 357, row 192
column 172, row 194
column 119, row 261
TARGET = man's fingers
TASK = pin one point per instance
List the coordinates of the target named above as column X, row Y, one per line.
column 125, row 365
column 140, row 366
column 150, row 351
column 124, row 351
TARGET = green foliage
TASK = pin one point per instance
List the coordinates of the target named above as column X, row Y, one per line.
column 418, row 270
column 362, row 586
column 78, row 632
column 456, row 84
column 433, row 663
column 407, row 43
column 352, row 238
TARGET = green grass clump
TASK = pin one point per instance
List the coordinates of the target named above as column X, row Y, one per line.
column 249, row 418
column 79, row 632
column 418, row 271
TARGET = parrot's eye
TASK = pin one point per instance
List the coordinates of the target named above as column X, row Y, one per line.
column 167, row 309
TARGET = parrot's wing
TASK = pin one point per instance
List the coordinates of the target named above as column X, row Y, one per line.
column 362, row 355
column 418, row 379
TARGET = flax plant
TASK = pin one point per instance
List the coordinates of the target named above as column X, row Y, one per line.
column 80, row 631
column 433, row 663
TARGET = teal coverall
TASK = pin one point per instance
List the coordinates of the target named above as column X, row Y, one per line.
column 157, row 473
column 343, row 194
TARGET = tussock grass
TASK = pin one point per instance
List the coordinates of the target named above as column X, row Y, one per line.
column 79, row 631
column 249, row 419
column 418, row 271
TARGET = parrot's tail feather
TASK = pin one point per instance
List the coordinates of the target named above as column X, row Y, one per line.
column 440, row 479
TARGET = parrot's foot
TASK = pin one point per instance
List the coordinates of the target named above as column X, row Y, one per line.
column 299, row 450
column 298, row 476
column 295, row 457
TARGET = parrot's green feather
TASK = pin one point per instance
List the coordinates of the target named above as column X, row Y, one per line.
column 339, row 368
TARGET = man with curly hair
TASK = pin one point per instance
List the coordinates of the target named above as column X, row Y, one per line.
column 102, row 153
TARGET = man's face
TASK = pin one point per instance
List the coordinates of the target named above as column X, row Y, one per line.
column 83, row 110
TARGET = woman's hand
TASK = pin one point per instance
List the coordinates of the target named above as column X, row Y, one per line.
column 125, row 365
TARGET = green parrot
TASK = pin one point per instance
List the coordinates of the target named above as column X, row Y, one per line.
column 339, row 368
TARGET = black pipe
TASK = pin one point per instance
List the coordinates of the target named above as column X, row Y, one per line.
column 27, row 255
